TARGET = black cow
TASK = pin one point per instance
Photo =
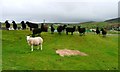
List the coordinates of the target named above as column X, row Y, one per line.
column 44, row 27
column 69, row 29
column 104, row 32
column 36, row 31
column 23, row 25
column 0, row 25
column 97, row 30
column 52, row 29
column 32, row 25
column 64, row 27
column 59, row 29
column 7, row 24
column 81, row 31
column 14, row 25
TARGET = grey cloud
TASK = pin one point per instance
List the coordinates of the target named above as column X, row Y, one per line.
column 59, row 11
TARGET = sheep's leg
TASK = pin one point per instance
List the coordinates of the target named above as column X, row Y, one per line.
column 41, row 46
column 38, row 47
column 31, row 47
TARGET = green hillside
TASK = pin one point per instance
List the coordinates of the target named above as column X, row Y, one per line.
column 115, row 20
column 102, row 52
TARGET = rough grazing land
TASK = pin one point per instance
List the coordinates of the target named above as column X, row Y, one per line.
column 102, row 52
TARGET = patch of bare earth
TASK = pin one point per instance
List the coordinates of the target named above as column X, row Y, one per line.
column 67, row 52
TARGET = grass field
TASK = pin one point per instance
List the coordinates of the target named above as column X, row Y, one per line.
column 102, row 52
column 0, row 50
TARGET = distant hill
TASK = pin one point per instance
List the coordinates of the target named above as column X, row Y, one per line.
column 115, row 20
column 87, row 22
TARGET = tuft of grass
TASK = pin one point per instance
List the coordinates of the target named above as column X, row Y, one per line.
column 102, row 52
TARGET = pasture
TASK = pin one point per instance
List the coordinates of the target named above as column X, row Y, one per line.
column 0, row 50
column 102, row 52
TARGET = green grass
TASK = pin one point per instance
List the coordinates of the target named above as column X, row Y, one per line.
column 0, row 50
column 16, row 54
column 99, row 24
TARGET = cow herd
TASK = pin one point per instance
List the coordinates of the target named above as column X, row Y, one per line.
column 34, row 27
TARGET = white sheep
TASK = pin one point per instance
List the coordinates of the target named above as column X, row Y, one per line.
column 37, row 41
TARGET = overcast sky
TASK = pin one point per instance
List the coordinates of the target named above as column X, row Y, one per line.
column 58, row 10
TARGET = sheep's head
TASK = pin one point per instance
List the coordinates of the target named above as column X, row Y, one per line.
column 28, row 37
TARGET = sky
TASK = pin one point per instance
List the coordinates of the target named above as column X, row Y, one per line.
column 58, row 10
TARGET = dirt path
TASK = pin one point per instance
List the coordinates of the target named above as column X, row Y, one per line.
column 66, row 52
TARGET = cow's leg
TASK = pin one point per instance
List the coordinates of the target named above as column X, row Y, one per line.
column 80, row 33
column 71, row 33
column 66, row 33
column 52, row 32
column 84, row 33
column 60, row 33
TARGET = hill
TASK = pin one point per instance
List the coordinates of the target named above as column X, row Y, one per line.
column 16, row 54
column 115, row 20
